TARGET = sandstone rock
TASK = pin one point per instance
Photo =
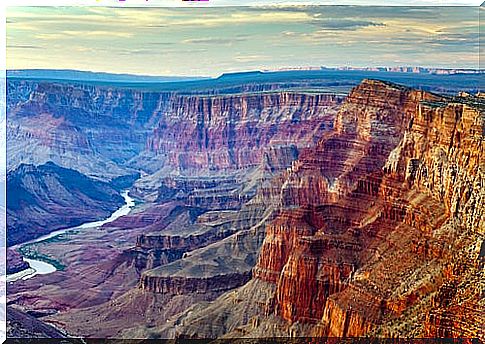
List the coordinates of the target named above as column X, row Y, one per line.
column 377, row 218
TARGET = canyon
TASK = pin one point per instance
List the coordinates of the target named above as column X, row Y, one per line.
column 48, row 197
column 261, row 210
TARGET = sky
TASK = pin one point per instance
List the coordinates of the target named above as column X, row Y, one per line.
column 209, row 41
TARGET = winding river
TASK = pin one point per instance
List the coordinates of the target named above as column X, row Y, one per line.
column 39, row 267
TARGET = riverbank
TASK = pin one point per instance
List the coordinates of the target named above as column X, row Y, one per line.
column 40, row 265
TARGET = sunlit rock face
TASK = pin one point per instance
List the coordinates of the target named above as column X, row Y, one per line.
column 389, row 213
column 106, row 131
column 208, row 152
column 201, row 160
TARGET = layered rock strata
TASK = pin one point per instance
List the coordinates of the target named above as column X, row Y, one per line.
column 379, row 218
column 231, row 132
column 121, row 129
column 375, row 230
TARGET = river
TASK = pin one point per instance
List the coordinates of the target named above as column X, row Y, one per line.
column 39, row 267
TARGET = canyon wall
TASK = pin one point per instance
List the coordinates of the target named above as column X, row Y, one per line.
column 232, row 131
column 399, row 160
column 15, row 262
column 108, row 131
column 181, row 143
column 380, row 223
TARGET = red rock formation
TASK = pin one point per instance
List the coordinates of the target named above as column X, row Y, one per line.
column 400, row 161
column 375, row 222
column 379, row 225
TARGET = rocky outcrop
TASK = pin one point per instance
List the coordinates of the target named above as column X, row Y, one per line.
column 181, row 236
column 15, row 262
column 22, row 326
column 49, row 197
column 184, row 285
column 177, row 242
column 55, row 122
column 373, row 228
column 222, row 250
column 210, row 192
column 121, row 129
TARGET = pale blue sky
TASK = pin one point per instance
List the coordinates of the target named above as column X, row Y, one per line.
column 210, row 41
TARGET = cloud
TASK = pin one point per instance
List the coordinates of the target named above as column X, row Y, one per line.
column 98, row 33
column 161, row 43
column 93, row 37
column 344, row 24
column 137, row 52
column 456, row 39
column 251, row 58
column 212, row 40
column 128, row 52
column 23, row 46
column 84, row 34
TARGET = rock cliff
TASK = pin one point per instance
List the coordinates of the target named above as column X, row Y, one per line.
column 381, row 223
column 121, row 129
column 15, row 262
column 232, row 132
column 180, row 142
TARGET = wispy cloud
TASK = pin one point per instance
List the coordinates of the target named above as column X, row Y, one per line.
column 251, row 58
column 83, row 34
column 213, row 40
column 23, row 46
column 344, row 24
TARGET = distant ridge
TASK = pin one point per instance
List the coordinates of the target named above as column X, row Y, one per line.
column 77, row 75
column 322, row 79
column 240, row 74
column 398, row 69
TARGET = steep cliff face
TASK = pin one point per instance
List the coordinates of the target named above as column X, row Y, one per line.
column 180, row 229
column 368, row 221
column 219, row 251
column 107, row 132
column 378, row 219
column 15, row 262
column 88, row 128
column 266, row 131
column 187, row 285
column 232, row 132
column 399, row 160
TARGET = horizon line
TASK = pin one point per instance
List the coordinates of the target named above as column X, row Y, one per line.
column 265, row 70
